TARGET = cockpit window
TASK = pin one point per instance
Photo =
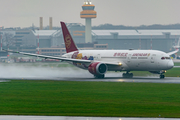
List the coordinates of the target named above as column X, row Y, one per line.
column 163, row 58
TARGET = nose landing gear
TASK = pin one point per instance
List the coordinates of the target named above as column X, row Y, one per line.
column 162, row 76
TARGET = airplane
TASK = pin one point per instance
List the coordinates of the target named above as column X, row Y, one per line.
column 178, row 45
column 98, row 62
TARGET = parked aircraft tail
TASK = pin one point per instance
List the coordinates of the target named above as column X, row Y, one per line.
column 177, row 46
column 69, row 43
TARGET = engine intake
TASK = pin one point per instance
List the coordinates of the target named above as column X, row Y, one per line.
column 97, row 68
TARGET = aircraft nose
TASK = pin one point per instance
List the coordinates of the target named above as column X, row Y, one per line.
column 170, row 65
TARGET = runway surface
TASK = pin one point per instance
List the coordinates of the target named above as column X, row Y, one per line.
column 148, row 79
column 13, row 117
column 24, row 72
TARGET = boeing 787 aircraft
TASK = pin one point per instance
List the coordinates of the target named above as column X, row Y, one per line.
column 98, row 62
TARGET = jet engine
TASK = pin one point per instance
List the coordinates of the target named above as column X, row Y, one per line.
column 97, row 69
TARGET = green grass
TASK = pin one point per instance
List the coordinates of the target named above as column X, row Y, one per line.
column 177, row 64
column 175, row 72
column 89, row 99
column 141, row 73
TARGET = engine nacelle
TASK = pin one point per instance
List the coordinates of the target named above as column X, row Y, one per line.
column 97, row 68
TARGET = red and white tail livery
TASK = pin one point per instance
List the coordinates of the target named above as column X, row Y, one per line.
column 69, row 43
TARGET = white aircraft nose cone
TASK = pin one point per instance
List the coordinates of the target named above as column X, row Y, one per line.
column 170, row 65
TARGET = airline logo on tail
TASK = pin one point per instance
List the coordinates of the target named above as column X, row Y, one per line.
column 68, row 41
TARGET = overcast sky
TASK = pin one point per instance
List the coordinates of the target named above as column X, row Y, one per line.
column 22, row 13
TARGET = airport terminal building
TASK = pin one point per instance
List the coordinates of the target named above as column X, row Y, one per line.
column 51, row 42
column 138, row 39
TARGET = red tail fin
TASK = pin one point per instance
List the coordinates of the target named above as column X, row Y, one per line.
column 69, row 43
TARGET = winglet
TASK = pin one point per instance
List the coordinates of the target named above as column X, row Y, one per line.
column 69, row 43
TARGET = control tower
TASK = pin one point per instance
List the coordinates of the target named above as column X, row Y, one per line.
column 88, row 13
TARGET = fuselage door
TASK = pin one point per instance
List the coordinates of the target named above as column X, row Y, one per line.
column 98, row 57
column 153, row 63
column 129, row 58
column 152, row 58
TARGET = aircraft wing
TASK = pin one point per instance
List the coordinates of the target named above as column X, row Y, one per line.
column 51, row 57
column 173, row 52
column 61, row 58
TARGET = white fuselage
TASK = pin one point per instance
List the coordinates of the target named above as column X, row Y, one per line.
column 131, row 60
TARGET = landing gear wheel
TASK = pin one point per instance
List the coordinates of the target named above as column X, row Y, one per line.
column 131, row 75
column 127, row 75
column 162, row 76
column 124, row 75
column 99, row 76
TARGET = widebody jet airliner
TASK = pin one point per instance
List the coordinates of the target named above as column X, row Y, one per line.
column 98, row 62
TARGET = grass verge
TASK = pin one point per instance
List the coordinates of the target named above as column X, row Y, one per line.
column 89, row 99
column 176, row 64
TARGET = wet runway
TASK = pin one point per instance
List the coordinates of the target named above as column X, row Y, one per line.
column 149, row 79
column 121, row 79
column 23, row 72
column 13, row 117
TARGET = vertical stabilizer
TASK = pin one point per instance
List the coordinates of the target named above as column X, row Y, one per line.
column 69, row 43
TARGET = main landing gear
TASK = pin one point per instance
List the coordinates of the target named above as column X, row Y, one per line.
column 99, row 76
column 127, row 75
